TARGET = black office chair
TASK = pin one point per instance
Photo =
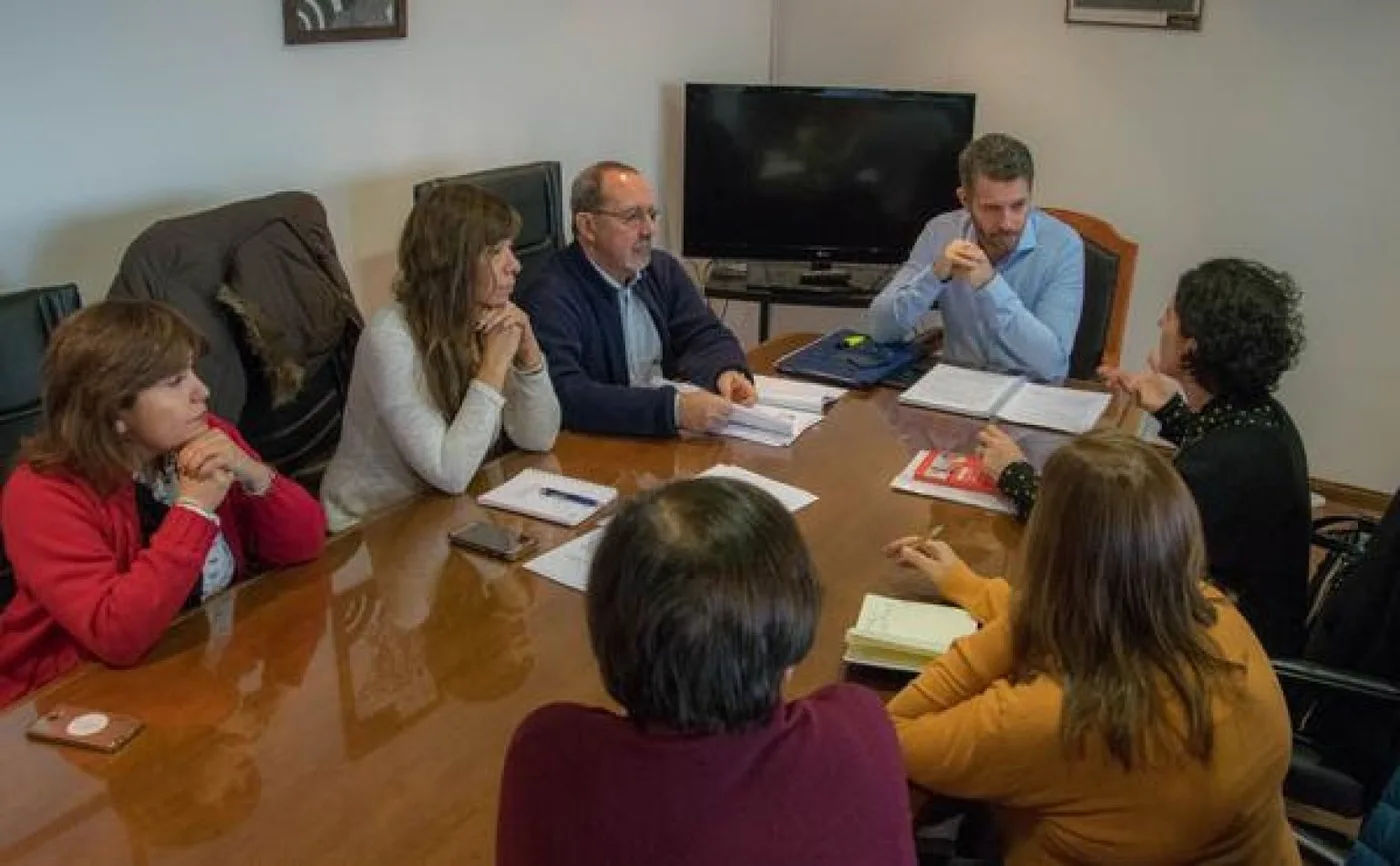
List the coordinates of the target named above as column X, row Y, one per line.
column 535, row 190
column 27, row 319
column 1344, row 693
column 1109, row 262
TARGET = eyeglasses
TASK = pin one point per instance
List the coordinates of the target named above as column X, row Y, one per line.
column 632, row 217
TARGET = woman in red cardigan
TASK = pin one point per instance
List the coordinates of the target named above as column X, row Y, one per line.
column 132, row 503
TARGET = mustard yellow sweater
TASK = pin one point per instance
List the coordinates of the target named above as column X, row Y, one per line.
column 966, row 731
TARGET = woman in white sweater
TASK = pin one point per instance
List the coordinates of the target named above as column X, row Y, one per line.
column 440, row 373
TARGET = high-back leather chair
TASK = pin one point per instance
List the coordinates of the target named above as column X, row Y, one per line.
column 27, row 319
column 1109, row 262
column 535, row 190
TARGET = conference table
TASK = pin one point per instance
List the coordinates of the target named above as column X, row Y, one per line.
column 358, row 709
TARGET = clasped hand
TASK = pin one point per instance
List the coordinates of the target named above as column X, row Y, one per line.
column 967, row 260
column 208, row 464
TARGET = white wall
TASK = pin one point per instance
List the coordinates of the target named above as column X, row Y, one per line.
column 117, row 114
column 1274, row 134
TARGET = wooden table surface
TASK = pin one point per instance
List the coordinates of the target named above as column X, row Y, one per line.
column 357, row 709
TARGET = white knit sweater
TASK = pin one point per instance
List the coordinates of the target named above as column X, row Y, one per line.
column 395, row 443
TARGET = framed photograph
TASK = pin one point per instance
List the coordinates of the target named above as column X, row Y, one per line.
column 1162, row 14
column 310, row 21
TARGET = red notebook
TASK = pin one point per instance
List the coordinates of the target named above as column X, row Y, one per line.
column 964, row 471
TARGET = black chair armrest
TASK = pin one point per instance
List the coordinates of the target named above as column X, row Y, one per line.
column 1324, row 526
column 1310, row 673
column 1339, row 532
column 1362, row 522
column 1317, row 850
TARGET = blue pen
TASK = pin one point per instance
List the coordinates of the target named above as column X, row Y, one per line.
column 580, row 499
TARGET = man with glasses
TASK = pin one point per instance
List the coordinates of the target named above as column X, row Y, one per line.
column 619, row 321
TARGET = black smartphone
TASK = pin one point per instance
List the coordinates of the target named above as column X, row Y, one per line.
column 492, row 540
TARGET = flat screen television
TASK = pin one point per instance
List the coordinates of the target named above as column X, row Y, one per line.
column 817, row 174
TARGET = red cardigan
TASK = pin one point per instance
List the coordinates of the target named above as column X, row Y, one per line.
column 87, row 589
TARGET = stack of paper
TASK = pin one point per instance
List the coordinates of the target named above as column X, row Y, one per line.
column 1009, row 398
column 549, row 496
column 791, row 394
column 907, row 481
column 904, row 635
column 785, row 410
column 767, row 425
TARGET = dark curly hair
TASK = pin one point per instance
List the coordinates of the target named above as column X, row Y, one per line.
column 1245, row 320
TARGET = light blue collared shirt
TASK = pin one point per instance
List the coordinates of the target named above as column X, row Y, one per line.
column 1022, row 321
column 640, row 338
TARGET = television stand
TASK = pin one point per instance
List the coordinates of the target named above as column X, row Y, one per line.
column 819, row 275
column 801, row 284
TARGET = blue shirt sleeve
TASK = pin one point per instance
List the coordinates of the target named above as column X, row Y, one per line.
column 896, row 311
column 1040, row 337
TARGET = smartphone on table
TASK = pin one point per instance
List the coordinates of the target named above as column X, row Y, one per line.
column 86, row 729
column 492, row 540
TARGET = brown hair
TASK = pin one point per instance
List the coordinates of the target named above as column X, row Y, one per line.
column 449, row 232
column 995, row 156
column 97, row 362
column 1111, row 602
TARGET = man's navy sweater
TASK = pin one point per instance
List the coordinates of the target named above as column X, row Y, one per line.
column 575, row 314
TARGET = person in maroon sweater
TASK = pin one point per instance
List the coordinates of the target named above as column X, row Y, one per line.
column 132, row 503
column 701, row 599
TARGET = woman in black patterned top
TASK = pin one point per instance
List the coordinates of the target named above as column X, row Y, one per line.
column 1230, row 332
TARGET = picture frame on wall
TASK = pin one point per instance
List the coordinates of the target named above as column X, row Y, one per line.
column 307, row 22
column 1161, row 14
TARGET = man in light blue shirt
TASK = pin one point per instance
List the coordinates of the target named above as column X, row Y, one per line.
column 1008, row 278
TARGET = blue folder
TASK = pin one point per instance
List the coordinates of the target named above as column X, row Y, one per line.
column 848, row 358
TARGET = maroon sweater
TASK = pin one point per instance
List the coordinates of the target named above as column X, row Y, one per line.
column 821, row 784
column 87, row 589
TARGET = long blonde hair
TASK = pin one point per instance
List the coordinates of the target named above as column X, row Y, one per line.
column 1111, row 602
column 449, row 233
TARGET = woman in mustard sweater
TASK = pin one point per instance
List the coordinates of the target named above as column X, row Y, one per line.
column 1113, row 708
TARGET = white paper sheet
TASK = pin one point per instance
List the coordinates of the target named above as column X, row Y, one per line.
column 569, row 562
column 792, row 498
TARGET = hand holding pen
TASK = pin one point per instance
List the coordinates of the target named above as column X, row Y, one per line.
column 923, row 552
